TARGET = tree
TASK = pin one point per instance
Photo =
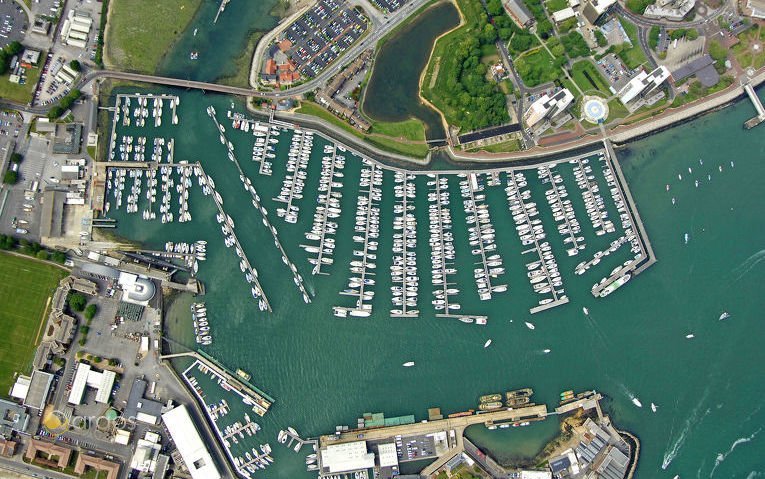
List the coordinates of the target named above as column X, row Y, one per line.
column 90, row 311
column 77, row 302
column 14, row 48
column 7, row 242
column 601, row 39
column 84, row 330
column 521, row 43
column 11, row 177
column 58, row 256
column 17, row 158
column 42, row 254
column 75, row 65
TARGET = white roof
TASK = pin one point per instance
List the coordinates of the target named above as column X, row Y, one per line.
column 21, row 387
column 189, row 444
column 643, row 82
column 602, row 5
column 122, row 437
column 388, row 455
column 573, row 3
column 564, row 14
column 145, row 455
column 87, row 377
column 547, row 107
column 79, row 383
column 349, row 456
column 536, row 475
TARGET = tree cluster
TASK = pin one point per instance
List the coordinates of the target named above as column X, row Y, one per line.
column 64, row 104
column 575, row 45
column 544, row 27
column 7, row 53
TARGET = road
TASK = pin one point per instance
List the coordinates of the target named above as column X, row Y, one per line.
column 640, row 20
column 28, row 470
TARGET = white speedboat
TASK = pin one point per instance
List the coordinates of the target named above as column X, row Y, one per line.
column 530, row 325
column 487, row 343
column 408, row 364
column 637, row 402
column 653, row 407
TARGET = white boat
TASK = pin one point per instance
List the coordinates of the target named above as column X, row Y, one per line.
column 637, row 402
column 653, row 407
column 586, row 311
column 487, row 343
column 690, row 336
column 530, row 325
column 724, row 316
column 408, row 364
column 547, row 351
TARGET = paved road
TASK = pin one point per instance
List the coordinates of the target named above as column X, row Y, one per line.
column 27, row 470
column 648, row 22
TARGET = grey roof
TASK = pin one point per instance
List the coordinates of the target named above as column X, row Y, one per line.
column 137, row 403
column 702, row 67
column 560, row 464
column 12, row 418
column 52, row 216
column 518, row 11
column 38, row 390
column 100, row 270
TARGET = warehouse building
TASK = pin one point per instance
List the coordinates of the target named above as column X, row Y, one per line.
column 346, row 457
column 189, row 444
column 101, row 381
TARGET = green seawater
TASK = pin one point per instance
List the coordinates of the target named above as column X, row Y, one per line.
column 325, row 371
column 393, row 90
column 220, row 44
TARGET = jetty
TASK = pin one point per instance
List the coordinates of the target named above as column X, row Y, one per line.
column 752, row 122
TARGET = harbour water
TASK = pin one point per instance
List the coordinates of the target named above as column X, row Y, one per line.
column 230, row 36
column 323, row 370
column 394, row 96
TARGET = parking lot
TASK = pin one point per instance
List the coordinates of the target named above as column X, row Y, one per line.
column 14, row 24
column 414, row 448
column 322, row 34
column 614, row 71
column 389, row 6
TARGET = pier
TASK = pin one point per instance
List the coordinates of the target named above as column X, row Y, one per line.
column 294, row 181
column 404, row 260
column 544, row 268
column 481, row 235
column 329, row 204
column 367, row 222
column 221, row 8
column 568, row 225
column 751, row 123
column 297, row 279
column 641, row 241
column 261, row 401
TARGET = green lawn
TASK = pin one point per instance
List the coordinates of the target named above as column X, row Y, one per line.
column 25, row 286
column 389, row 144
column 616, row 110
column 634, row 56
column 411, row 129
column 587, row 76
column 20, row 93
column 537, row 67
column 555, row 5
column 141, row 32
column 745, row 54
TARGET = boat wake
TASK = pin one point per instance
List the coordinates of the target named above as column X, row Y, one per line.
column 693, row 420
column 723, row 455
column 631, row 395
column 749, row 264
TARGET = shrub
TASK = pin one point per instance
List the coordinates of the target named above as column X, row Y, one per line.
column 90, row 311
column 17, row 158
column 600, row 38
column 11, row 177
column 42, row 254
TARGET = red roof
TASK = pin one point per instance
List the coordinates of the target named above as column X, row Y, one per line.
column 270, row 66
column 285, row 45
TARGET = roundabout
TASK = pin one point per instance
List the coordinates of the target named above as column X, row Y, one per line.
column 595, row 109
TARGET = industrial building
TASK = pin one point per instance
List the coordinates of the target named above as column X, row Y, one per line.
column 142, row 409
column 147, row 452
column 518, row 13
column 101, row 381
column 136, row 289
column 190, row 444
column 76, row 28
column 346, row 457
column 642, row 84
column 547, row 107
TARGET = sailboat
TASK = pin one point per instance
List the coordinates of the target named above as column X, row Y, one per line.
column 530, row 325
column 586, row 311
column 653, row 407
column 487, row 343
column 637, row 402
column 724, row 316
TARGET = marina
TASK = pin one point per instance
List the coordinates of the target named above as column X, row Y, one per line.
column 404, row 268
column 228, row 409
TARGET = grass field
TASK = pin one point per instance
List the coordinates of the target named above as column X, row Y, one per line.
column 537, row 67
column 634, row 56
column 25, row 286
column 503, row 147
column 745, row 52
column 393, row 129
column 20, row 93
column 588, row 78
column 411, row 129
column 140, row 32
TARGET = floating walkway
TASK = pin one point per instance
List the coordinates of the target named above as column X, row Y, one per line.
column 751, row 123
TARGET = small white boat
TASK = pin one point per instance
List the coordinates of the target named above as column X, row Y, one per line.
column 408, row 364
column 547, row 351
column 530, row 325
column 637, row 402
column 724, row 316
column 690, row 336
column 487, row 343
column 586, row 311
column 653, row 407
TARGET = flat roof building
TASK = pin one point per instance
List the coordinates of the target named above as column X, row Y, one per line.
column 102, row 382
column 140, row 408
column 548, row 107
column 388, row 455
column 562, row 15
column 642, row 84
column 110, row 469
column 757, row 7
column 146, row 453
column 189, row 444
column 39, row 388
column 12, row 418
column 346, row 457
column 595, row 10
column 37, row 448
